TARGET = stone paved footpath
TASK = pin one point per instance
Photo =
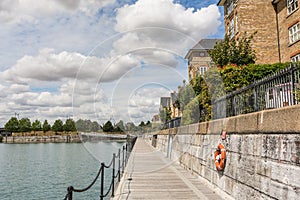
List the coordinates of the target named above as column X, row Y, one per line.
column 149, row 175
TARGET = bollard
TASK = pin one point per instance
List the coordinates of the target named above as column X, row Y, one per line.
column 102, row 182
column 119, row 170
column 113, row 176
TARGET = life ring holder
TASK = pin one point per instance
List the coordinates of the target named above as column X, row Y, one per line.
column 220, row 157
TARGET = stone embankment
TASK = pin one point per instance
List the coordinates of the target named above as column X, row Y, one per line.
column 263, row 152
column 42, row 139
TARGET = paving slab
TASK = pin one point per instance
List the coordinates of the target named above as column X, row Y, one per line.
column 150, row 175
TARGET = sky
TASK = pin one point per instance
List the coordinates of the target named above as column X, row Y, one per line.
column 97, row 59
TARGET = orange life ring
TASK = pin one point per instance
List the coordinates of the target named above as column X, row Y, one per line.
column 219, row 157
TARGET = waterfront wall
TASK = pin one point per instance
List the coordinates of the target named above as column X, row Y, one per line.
column 263, row 152
column 41, row 139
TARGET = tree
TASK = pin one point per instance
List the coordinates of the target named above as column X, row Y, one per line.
column 24, row 125
column 130, row 126
column 36, row 125
column 46, row 127
column 108, row 127
column 142, row 124
column 69, row 125
column 191, row 113
column 119, row 127
column 12, row 125
column 58, row 126
column 165, row 114
column 94, row 126
column 238, row 52
column 185, row 95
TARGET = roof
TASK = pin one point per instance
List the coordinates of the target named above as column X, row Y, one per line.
column 173, row 97
column 221, row 3
column 165, row 102
column 204, row 44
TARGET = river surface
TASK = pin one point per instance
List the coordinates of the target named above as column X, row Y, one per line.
column 44, row 171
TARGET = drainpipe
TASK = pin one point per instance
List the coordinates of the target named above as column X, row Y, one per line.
column 274, row 4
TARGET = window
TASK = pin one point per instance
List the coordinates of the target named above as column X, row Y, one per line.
column 294, row 33
column 230, row 6
column 236, row 22
column 292, row 5
column 295, row 58
column 231, row 28
column 203, row 70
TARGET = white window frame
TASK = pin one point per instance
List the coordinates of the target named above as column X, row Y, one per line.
column 202, row 70
column 236, row 22
column 295, row 58
column 292, row 6
column 231, row 28
column 294, row 33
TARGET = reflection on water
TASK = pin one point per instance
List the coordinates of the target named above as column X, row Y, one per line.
column 44, row 171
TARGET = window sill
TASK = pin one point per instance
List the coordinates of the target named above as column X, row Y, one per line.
column 291, row 44
column 289, row 14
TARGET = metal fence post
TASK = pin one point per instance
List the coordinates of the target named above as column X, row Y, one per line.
column 113, row 176
column 119, row 170
column 70, row 193
column 102, row 182
column 255, row 97
column 123, row 166
column 292, row 84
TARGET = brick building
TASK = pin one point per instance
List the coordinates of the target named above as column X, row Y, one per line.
column 198, row 57
column 275, row 21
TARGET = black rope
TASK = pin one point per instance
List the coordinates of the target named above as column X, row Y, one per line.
column 108, row 191
column 108, row 166
column 88, row 187
column 101, row 170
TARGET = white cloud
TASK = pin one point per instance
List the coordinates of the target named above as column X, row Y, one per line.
column 169, row 15
column 49, row 72
column 31, row 10
column 48, row 66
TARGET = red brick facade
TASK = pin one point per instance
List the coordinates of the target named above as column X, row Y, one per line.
column 271, row 20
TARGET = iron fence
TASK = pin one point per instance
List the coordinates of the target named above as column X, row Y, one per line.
column 117, row 163
column 277, row 90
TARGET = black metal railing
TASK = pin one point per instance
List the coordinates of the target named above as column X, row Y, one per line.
column 172, row 123
column 120, row 160
column 275, row 91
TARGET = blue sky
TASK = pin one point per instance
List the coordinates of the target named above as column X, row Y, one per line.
column 97, row 59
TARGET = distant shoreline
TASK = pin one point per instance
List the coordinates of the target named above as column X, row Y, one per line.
column 66, row 138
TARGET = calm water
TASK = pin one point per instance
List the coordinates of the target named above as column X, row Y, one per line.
column 44, row 171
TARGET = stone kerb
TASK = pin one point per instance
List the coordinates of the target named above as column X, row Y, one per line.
column 284, row 120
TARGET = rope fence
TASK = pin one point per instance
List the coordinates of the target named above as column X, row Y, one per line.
column 119, row 160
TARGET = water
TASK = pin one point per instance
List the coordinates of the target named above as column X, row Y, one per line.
column 44, row 171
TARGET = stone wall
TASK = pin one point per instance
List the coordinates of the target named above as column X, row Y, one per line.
column 263, row 153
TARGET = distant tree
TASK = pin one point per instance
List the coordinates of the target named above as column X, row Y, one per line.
column 24, row 125
column 238, row 52
column 185, row 95
column 94, row 126
column 46, row 127
column 36, row 125
column 12, row 125
column 108, row 127
column 148, row 123
column 191, row 113
column 130, row 126
column 69, row 125
column 58, row 126
column 165, row 114
column 119, row 127
column 80, row 125
column 142, row 124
